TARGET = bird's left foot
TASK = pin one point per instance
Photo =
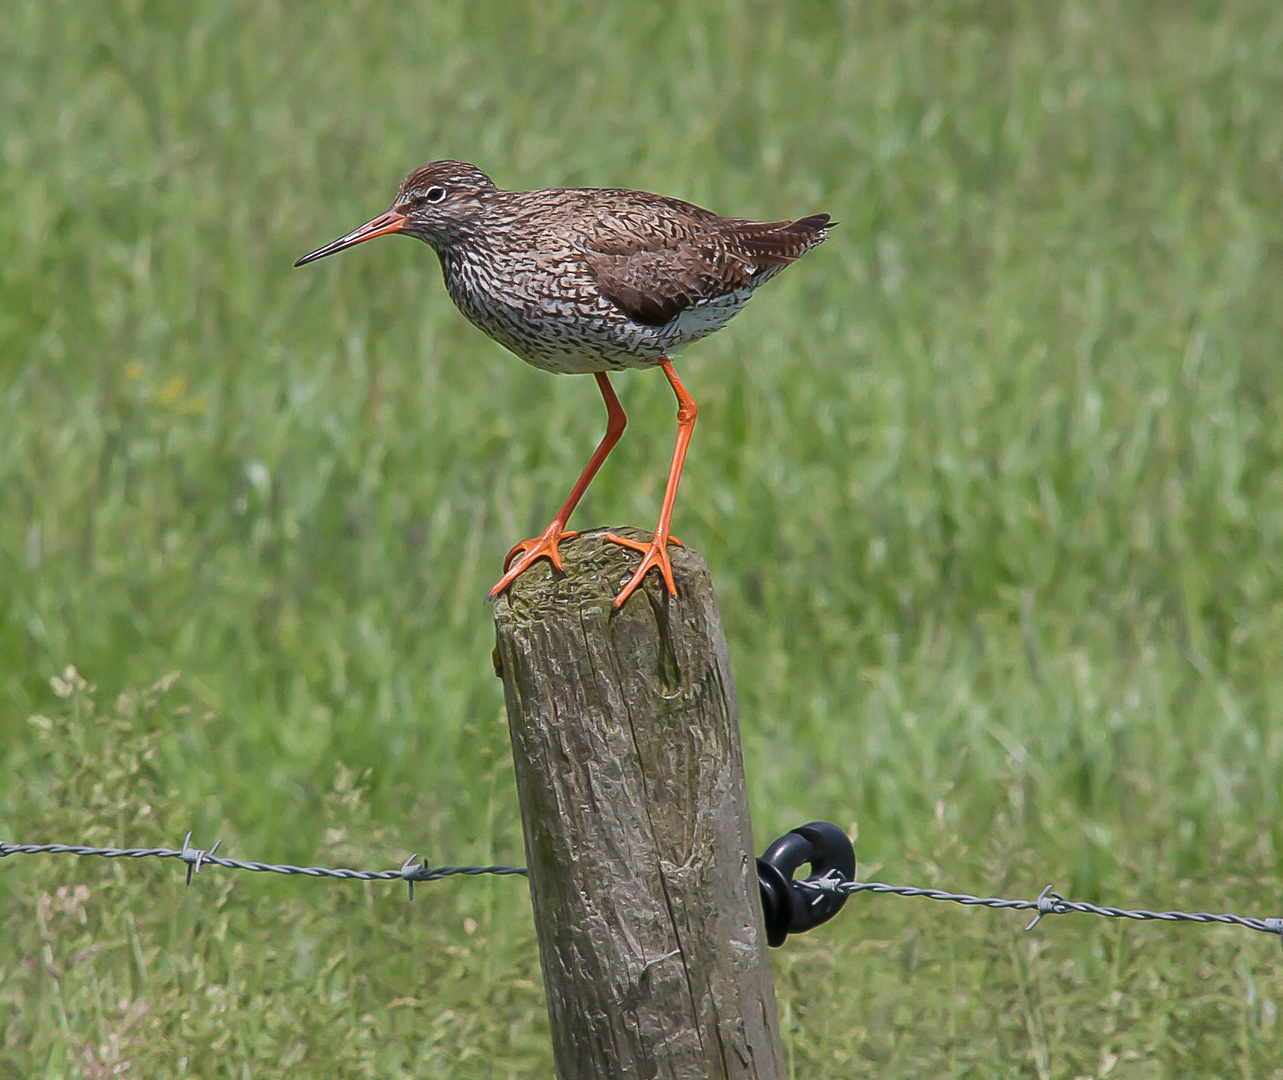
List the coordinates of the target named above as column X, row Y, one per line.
column 653, row 554
column 537, row 547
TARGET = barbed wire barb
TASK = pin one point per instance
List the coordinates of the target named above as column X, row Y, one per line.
column 193, row 857
column 407, row 872
column 1046, row 906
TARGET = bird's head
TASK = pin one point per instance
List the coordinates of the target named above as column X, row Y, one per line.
column 434, row 203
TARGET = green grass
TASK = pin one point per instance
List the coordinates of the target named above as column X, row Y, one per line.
column 991, row 485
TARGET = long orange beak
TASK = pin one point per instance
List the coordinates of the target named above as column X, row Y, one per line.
column 390, row 222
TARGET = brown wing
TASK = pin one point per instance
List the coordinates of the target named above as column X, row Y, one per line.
column 653, row 285
column 654, row 275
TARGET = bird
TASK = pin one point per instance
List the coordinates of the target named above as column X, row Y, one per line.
column 589, row 281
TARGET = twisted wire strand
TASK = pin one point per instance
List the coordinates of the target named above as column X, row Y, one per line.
column 195, row 858
column 1048, row 903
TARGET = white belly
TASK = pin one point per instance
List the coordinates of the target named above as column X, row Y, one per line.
column 704, row 317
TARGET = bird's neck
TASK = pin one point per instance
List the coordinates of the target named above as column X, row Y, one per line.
column 463, row 263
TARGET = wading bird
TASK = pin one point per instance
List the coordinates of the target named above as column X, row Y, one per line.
column 589, row 280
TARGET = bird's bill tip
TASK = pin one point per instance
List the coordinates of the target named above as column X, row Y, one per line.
column 391, row 222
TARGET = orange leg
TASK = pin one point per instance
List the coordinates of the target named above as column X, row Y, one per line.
column 544, row 546
column 656, row 552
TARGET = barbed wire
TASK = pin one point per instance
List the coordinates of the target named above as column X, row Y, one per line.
column 195, row 858
column 1047, row 903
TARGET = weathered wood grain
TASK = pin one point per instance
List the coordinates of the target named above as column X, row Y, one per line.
column 626, row 746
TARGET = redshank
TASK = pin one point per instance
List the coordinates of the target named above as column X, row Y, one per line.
column 589, row 280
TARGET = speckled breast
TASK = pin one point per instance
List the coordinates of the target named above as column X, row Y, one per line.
column 551, row 314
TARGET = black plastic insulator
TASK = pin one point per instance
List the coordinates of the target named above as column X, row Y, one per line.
column 788, row 909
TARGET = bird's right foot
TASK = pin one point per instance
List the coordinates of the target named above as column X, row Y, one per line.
column 654, row 556
column 528, row 552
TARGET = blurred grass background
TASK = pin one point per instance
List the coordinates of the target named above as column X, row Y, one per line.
column 991, row 486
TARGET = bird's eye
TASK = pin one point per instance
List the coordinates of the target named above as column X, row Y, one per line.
column 435, row 194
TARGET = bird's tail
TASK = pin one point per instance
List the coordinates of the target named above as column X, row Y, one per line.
column 778, row 243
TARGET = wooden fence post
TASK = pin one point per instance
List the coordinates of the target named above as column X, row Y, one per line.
column 627, row 752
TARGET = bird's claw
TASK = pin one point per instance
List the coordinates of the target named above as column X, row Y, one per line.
column 543, row 546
